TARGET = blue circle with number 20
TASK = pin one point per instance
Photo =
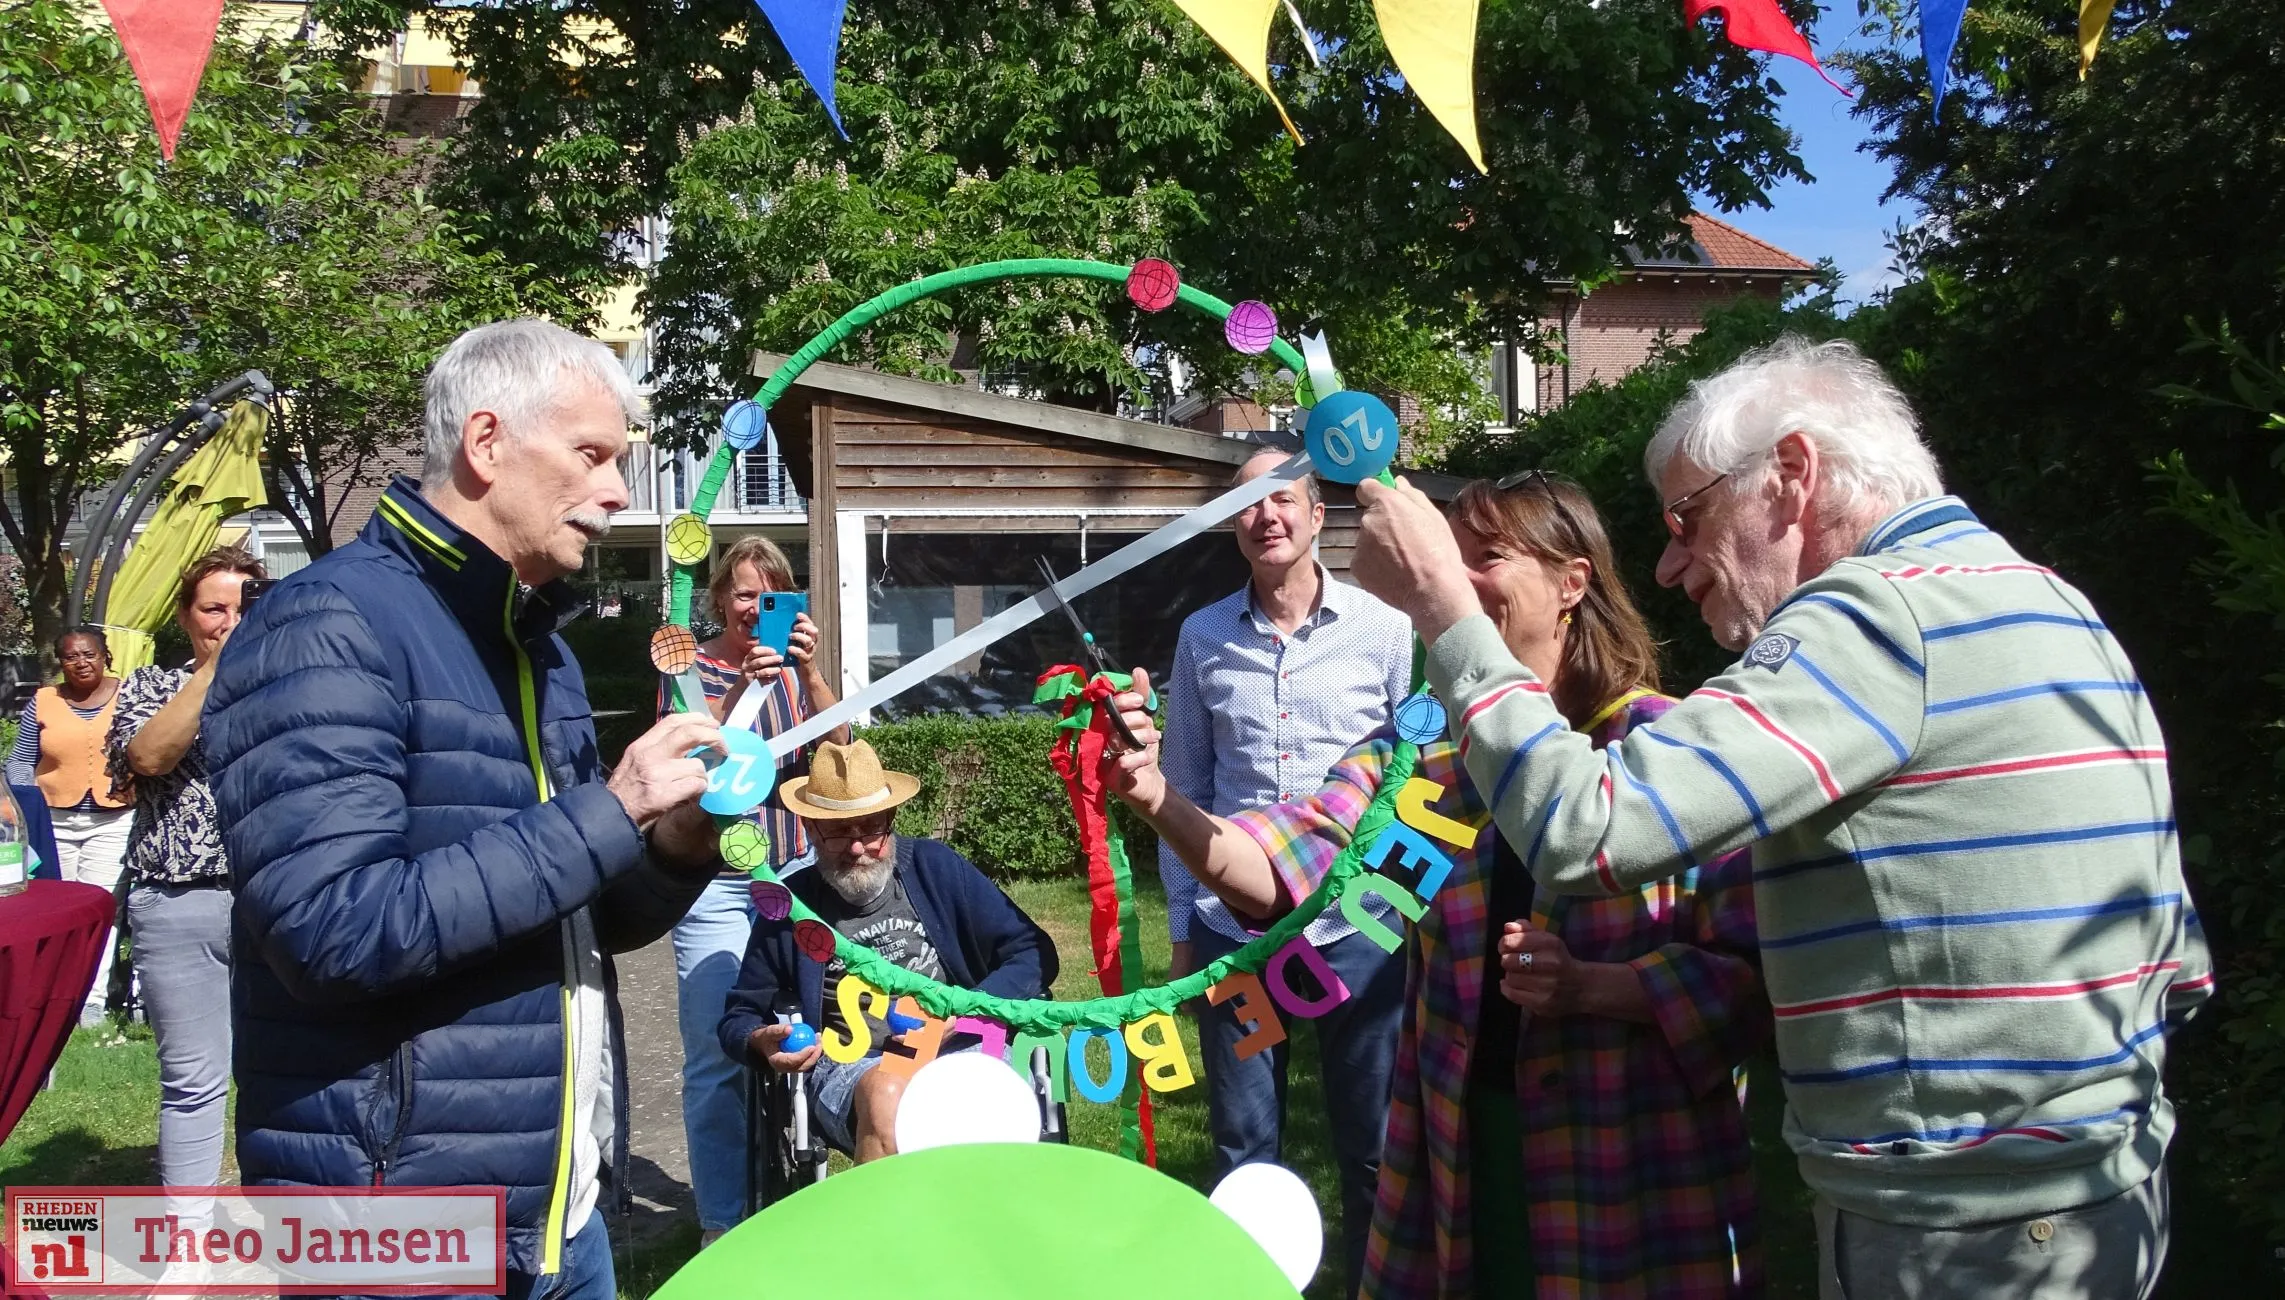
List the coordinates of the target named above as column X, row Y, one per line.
column 1351, row 436
column 738, row 784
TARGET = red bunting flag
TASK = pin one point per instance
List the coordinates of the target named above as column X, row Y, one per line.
column 167, row 42
column 1760, row 25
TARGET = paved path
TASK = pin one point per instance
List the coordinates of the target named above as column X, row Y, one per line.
column 656, row 1149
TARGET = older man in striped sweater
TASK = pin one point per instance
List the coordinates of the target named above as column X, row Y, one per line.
column 1973, row 919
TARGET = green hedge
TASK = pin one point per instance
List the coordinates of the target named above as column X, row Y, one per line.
column 986, row 789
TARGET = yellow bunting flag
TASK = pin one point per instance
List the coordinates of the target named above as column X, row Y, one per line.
column 1241, row 28
column 2094, row 20
column 1433, row 43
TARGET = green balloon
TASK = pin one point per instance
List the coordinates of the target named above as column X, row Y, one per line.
column 1006, row 1221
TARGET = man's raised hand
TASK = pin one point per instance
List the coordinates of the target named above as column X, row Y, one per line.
column 1406, row 556
column 658, row 774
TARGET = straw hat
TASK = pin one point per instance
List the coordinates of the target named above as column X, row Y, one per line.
column 846, row 782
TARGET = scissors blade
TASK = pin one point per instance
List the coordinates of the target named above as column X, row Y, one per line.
column 1047, row 571
column 1095, row 653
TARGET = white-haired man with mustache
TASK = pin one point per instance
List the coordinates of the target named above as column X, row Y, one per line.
column 432, row 866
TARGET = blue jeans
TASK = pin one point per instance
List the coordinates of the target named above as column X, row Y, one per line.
column 182, row 959
column 1356, row 1051
column 586, row 1272
column 709, row 945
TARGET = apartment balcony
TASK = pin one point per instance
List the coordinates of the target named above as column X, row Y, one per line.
column 660, row 484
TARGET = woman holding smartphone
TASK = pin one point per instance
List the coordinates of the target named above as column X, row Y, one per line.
column 178, row 900
column 710, row 941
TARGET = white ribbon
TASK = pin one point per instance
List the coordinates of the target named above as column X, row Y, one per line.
column 973, row 641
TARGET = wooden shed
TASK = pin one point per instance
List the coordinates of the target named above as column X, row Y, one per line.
column 930, row 503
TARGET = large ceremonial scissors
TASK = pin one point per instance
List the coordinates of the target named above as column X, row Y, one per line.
column 1095, row 652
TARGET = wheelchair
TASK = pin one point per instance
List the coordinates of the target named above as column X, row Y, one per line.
column 785, row 1152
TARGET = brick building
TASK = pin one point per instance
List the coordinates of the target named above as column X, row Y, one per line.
column 1609, row 331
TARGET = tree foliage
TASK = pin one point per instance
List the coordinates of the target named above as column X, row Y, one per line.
column 288, row 234
column 1099, row 128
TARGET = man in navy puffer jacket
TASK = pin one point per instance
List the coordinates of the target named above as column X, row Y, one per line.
column 430, row 867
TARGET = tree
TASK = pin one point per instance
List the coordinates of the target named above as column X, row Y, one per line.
column 1085, row 128
column 289, row 234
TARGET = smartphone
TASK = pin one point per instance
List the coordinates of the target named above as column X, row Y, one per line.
column 773, row 621
column 251, row 592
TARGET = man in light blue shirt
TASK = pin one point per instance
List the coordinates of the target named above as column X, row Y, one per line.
column 1270, row 686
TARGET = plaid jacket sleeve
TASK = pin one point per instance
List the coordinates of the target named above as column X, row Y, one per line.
column 1705, row 989
column 1303, row 837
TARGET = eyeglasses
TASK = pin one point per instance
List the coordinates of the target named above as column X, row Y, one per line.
column 1676, row 524
column 872, row 828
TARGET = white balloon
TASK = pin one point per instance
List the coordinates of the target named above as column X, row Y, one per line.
column 1275, row 1208
column 965, row 1097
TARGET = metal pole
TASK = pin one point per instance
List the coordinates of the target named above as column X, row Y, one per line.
column 108, row 519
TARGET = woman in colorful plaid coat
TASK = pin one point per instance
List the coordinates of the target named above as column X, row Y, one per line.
column 1570, row 1125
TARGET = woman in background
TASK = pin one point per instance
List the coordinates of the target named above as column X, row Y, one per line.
column 710, row 940
column 59, row 748
column 178, row 899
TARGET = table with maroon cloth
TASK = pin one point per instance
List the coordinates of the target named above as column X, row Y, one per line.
column 51, row 936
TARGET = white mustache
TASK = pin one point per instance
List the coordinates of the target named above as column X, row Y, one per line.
column 594, row 523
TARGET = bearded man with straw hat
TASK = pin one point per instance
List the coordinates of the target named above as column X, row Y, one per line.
column 914, row 901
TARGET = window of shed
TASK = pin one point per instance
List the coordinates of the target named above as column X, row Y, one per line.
column 931, row 587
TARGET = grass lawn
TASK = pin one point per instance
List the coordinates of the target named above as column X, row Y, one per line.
column 98, row 1125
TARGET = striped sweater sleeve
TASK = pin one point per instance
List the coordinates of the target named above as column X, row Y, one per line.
column 1829, row 701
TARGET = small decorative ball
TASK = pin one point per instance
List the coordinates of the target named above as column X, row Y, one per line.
column 1305, row 393
column 745, row 847
column 1251, row 327
column 1420, row 719
column 688, row 540
column 1351, row 436
column 743, row 424
column 1153, row 284
column 772, row 901
column 674, row 651
column 799, row 1037
column 815, row 939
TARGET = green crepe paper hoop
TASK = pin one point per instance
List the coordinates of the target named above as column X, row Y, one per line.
column 1073, row 1222
column 1039, row 1015
column 872, row 309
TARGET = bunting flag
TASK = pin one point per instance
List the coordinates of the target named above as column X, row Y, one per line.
column 1083, row 756
column 167, row 42
column 1433, row 44
column 810, row 30
column 1760, row 25
column 1241, row 28
column 1939, row 31
column 2094, row 20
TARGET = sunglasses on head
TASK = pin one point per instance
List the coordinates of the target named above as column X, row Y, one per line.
column 1546, row 480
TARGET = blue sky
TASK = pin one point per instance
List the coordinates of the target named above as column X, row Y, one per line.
column 1840, row 214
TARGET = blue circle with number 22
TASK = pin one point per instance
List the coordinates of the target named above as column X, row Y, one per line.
column 738, row 784
column 1351, row 436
